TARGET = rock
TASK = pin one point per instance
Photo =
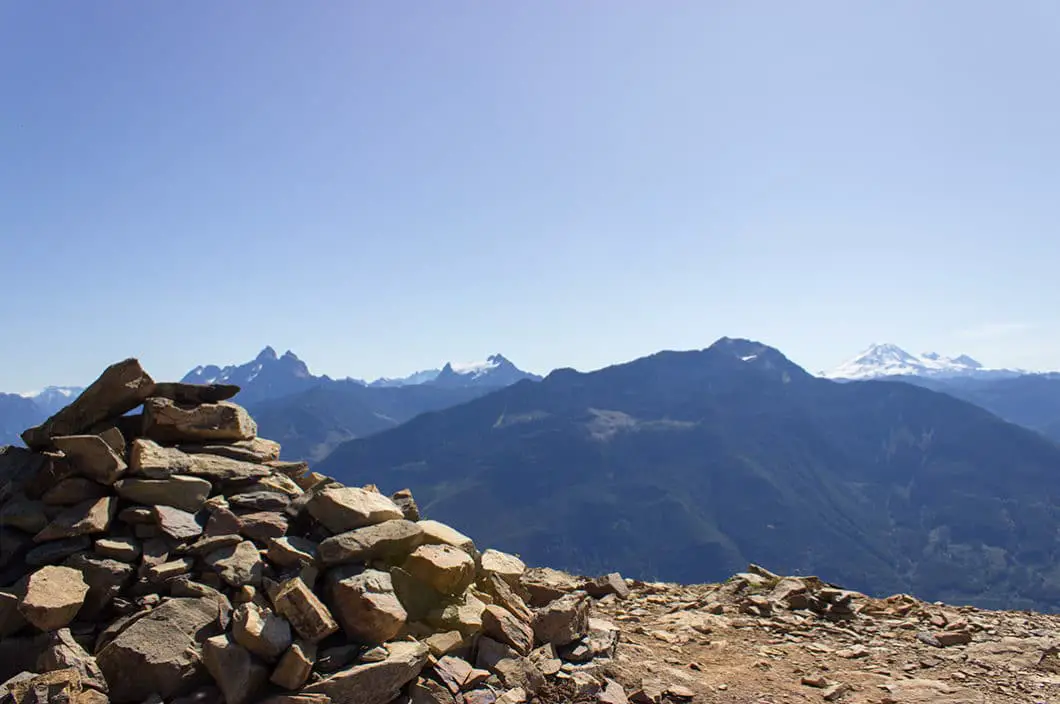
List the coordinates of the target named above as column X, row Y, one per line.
column 453, row 672
column 158, row 653
column 167, row 422
column 435, row 533
column 263, row 525
column 149, row 459
column 544, row 585
column 115, row 440
column 258, row 450
column 835, row 692
column 508, row 567
column 261, row 631
column 292, row 551
column 563, row 621
column 444, row 568
column 613, row 693
column 340, row 509
column 417, row 597
column 86, row 518
column 105, row 579
column 490, row 652
column 304, row 611
column 340, row 657
column 277, row 484
column 223, row 522
column 375, row 683
column 503, row 595
column 603, row 638
column 122, row 387
column 612, row 583
column 444, row 642
column 464, row 615
column 57, row 687
column 240, row 678
column 11, row 620
column 195, row 394
column 403, row 500
column 948, row 638
column 207, row 545
column 57, row 550
column 237, row 565
column 259, row 501
column 426, row 691
column 177, row 524
column 295, row 666
column 513, row 696
column 521, row 673
column 73, row 490
column 380, row 541
column 23, row 514
column 91, row 456
column 366, row 606
column 53, row 597
column 182, row 492
column 501, row 625
column 64, row 652
column 122, row 549
column 168, row 570
column 22, row 470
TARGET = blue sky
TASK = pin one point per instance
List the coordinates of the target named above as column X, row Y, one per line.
column 384, row 186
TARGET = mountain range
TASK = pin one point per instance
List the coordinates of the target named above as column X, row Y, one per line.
column 685, row 466
column 889, row 360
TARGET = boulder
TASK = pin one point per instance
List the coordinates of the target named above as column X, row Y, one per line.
column 234, row 669
column 238, row 565
column 292, row 551
column 403, row 499
column 508, row 567
column 340, row 508
column 464, row 615
column 64, row 652
column 53, row 597
column 366, row 606
column 263, row 526
column 563, row 621
column 446, row 569
column 168, row 422
column 86, row 518
column 612, row 583
column 304, row 611
column 149, row 459
column 257, row 450
column 105, row 579
column 223, row 522
column 544, row 585
column 74, row 490
column 158, row 653
column 177, row 524
column 122, row 387
column 295, row 666
column 435, row 533
column 381, row 541
column 91, row 456
column 261, row 631
column 183, row 492
column 194, row 394
column 377, row 682
column 501, row 625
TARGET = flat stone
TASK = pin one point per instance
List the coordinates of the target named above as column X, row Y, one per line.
column 263, row 525
column 261, row 631
column 136, row 515
column 446, row 569
column 86, row 518
column 381, row 541
column 194, row 394
column 165, row 421
column 445, row 642
column 544, row 585
column 403, row 499
column 295, row 666
column 23, row 514
column 238, row 565
column 177, row 524
column 504, row 595
column 613, row 693
column 122, row 387
column 612, row 583
column 418, row 598
column 464, row 615
column 123, row 549
column 304, row 611
column 158, row 653
column 105, row 579
column 168, row 570
column 435, row 533
column 258, row 450
column 74, row 490
column 340, row 509
column 508, row 567
column 292, row 551
column 149, row 459
column 223, row 522
column 183, row 492
column 503, row 626
column 260, row 501
column 56, row 551
column 563, row 621
column 207, row 545
column 366, row 606
column 91, row 456
column 453, row 672
column 53, row 597
column 603, row 638
column 64, row 652
column 427, row 691
column 115, row 440
column 240, row 678
column 378, row 682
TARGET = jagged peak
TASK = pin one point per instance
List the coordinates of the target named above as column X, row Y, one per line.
column 266, row 355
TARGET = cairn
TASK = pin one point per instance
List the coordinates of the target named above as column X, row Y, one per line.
column 166, row 554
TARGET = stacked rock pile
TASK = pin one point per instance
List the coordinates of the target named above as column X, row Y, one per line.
column 166, row 554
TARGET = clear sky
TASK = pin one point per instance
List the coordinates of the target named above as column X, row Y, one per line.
column 384, row 186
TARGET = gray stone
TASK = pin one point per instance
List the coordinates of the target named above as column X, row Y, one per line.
column 177, row 524
column 340, row 509
column 563, row 621
column 91, row 456
column 238, row 565
column 149, row 459
column 240, row 678
column 74, row 490
column 86, row 518
column 183, row 492
column 381, row 541
column 165, row 421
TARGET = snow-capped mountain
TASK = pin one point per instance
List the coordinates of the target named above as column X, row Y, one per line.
column 266, row 376
column 52, row 398
column 420, row 377
column 888, row 360
column 496, row 370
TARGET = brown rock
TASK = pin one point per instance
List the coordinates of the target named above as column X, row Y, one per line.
column 53, row 597
column 195, row 394
column 435, row 533
column 612, row 583
column 342, row 509
column 444, row 642
column 948, row 638
column 295, row 666
column 504, row 595
column 168, row 570
column 122, row 549
column 165, row 421
column 64, row 652
column 426, row 691
column 378, row 682
column 446, row 569
column 177, row 524
column 122, row 387
column 105, row 579
column 403, row 500
column 263, row 526
column 563, row 621
column 261, row 631
column 183, row 492
column 73, row 490
column 381, row 541
column 544, row 585
column 613, row 694
column 464, row 615
column 259, row 501
column 292, row 551
column 503, row 626
column 223, row 522
column 366, row 606
column 149, row 459
column 158, row 653
column 115, row 440
column 234, row 669
column 237, row 565
column 453, row 672
column 304, row 611
column 258, row 450
column 23, row 514
column 57, row 687
column 91, row 456
column 508, row 567
column 86, row 518
column 23, row 471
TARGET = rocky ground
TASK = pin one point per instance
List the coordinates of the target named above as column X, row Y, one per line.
column 167, row 555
